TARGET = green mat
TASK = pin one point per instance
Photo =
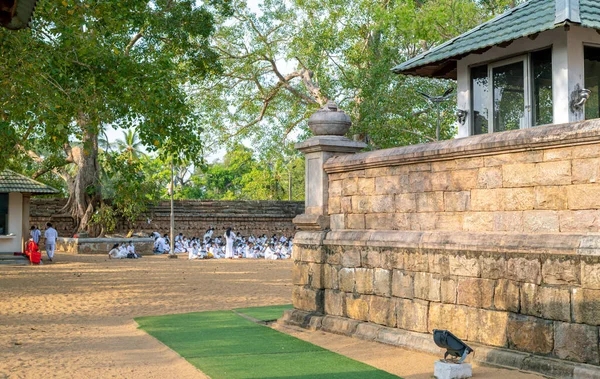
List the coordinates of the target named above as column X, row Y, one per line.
column 228, row 346
column 269, row 313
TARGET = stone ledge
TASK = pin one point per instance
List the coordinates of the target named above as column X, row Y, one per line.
column 577, row 133
column 500, row 242
column 551, row 368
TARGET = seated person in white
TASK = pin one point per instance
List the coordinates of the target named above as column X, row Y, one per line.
column 160, row 246
column 193, row 252
column 179, row 247
column 270, row 253
column 116, row 253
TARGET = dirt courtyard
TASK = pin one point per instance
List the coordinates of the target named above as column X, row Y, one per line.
column 74, row 318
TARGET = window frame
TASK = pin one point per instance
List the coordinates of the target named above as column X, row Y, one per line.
column 7, row 214
column 528, row 88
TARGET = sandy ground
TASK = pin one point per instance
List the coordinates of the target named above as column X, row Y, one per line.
column 74, row 318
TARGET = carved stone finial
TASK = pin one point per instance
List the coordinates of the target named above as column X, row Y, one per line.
column 579, row 97
column 329, row 121
column 461, row 116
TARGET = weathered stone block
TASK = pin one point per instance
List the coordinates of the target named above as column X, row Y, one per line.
column 366, row 186
column 524, row 270
column 334, row 302
column 382, row 221
column 583, row 196
column 559, row 154
column 419, row 181
column 510, row 158
column 391, row 184
column 511, row 221
column 576, row 342
column 357, row 307
column 412, row 314
column 449, row 221
column 382, row 310
column 440, row 181
column 585, row 170
column 561, row 270
column 382, row 204
column 465, row 265
column 330, row 277
column 402, row 284
column 355, row 221
column 337, row 221
column 350, row 187
column 314, row 255
column 382, row 282
column 361, row 204
column 541, row 222
column 461, row 180
column 346, row 204
column 414, row 261
column 333, row 255
column 487, row 200
column 457, row 201
column 530, row 334
column 551, row 198
column 479, row 221
column 334, row 205
column 336, row 188
column 506, row 295
column 518, row 175
column 423, row 221
column 346, row 279
column 364, row 280
column 339, row 325
column 351, row 257
column 518, row 199
column 586, row 306
column 489, row 177
column 448, row 290
column 590, row 275
column 427, row 286
column 467, row 163
column 370, row 258
column 493, row 266
column 406, row 202
column 478, row 293
column 450, row 317
column 300, row 274
column 487, row 327
column 430, row 202
column 315, row 275
column 439, row 263
column 553, row 173
column 547, row 302
column 579, row 221
column 307, row 299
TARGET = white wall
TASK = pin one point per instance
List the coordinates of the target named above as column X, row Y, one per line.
column 567, row 64
column 12, row 244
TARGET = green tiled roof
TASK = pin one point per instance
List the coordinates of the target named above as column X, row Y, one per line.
column 10, row 181
column 524, row 20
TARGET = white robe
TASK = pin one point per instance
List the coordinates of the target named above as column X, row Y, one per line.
column 229, row 245
column 270, row 254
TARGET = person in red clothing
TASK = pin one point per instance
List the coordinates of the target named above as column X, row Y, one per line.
column 33, row 252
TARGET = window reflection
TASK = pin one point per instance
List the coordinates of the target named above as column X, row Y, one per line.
column 479, row 89
column 509, row 97
column 541, row 67
column 592, row 81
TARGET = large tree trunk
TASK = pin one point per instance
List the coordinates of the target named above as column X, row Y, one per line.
column 84, row 191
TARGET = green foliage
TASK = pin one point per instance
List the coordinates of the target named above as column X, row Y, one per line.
column 106, row 218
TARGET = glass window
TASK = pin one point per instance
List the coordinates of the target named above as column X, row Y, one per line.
column 541, row 68
column 479, row 89
column 3, row 213
column 509, row 96
column 592, row 81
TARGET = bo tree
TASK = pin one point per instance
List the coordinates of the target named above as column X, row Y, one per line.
column 88, row 65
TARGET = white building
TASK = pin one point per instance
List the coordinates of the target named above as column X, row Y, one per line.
column 537, row 64
column 15, row 192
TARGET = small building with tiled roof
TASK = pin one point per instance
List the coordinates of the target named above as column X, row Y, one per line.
column 15, row 192
column 537, row 64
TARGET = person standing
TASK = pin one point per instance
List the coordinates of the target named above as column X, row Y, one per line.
column 50, row 235
column 35, row 234
column 229, row 238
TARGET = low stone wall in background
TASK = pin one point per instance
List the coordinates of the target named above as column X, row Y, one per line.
column 143, row 246
column 192, row 218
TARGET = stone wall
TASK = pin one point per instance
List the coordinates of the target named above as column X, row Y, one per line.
column 192, row 218
column 143, row 246
column 494, row 238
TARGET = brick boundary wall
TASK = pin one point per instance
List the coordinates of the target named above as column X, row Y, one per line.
column 192, row 218
column 495, row 238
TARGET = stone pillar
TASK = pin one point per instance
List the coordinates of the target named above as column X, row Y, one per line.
column 329, row 124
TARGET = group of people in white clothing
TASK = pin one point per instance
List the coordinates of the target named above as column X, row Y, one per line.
column 122, row 251
column 50, row 236
column 230, row 246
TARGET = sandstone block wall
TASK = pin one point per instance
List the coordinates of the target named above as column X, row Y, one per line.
column 495, row 238
column 192, row 218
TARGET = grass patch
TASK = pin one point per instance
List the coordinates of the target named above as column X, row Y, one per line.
column 268, row 313
column 227, row 346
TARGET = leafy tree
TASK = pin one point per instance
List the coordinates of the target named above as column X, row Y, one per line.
column 88, row 65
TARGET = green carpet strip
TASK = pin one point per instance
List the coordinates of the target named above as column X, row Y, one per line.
column 268, row 313
column 224, row 345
